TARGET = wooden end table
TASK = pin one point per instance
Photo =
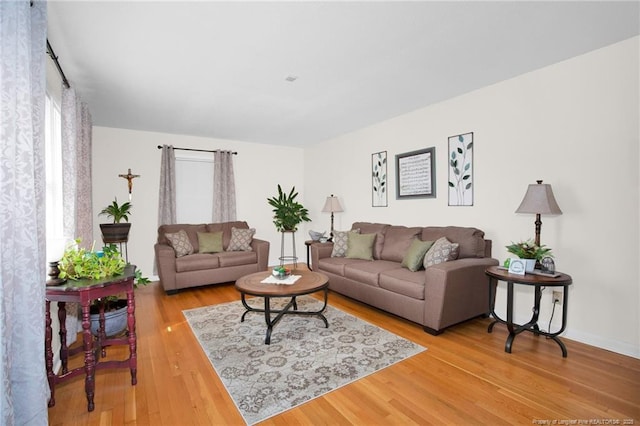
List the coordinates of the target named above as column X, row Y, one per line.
column 497, row 273
column 309, row 282
column 84, row 292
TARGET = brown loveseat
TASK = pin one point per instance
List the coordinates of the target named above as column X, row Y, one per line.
column 437, row 297
column 206, row 268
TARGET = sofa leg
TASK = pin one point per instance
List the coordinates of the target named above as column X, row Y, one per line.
column 171, row 292
column 431, row 331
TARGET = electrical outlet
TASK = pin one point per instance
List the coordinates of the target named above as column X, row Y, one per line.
column 557, row 297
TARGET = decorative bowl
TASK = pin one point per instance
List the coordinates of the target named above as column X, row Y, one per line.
column 315, row 236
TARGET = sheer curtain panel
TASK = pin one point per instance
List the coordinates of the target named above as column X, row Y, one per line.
column 224, row 187
column 24, row 389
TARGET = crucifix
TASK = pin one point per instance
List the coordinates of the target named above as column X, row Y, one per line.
column 129, row 177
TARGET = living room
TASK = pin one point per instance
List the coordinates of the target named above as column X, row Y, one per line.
column 573, row 123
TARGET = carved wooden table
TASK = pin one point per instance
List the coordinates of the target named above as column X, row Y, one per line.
column 84, row 292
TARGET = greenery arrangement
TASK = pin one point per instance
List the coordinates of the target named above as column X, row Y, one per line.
column 117, row 212
column 288, row 213
column 529, row 250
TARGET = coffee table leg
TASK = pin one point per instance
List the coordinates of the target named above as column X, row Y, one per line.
column 267, row 317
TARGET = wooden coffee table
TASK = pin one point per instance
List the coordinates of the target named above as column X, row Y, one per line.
column 309, row 282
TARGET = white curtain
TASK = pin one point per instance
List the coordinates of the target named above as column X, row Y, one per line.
column 24, row 389
column 224, row 187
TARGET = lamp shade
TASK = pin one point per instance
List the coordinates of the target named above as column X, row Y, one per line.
column 332, row 205
column 539, row 199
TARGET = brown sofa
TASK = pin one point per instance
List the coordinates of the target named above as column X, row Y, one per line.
column 436, row 297
column 206, row 268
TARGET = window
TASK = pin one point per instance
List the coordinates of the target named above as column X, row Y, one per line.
column 53, row 166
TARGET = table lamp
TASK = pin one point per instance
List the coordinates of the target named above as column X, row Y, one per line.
column 332, row 205
column 539, row 200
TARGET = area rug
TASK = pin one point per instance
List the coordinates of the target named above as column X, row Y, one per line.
column 303, row 361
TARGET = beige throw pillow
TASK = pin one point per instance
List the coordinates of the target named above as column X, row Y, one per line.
column 360, row 246
column 180, row 243
column 414, row 257
column 210, row 242
column 241, row 239
column 340, row 242
column 442, row 250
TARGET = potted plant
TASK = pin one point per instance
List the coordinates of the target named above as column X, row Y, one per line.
column 287, row 212
column 78, row 263
column 116, row 232
column 529, row 251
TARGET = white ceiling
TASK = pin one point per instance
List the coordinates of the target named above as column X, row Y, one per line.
column 219, row 69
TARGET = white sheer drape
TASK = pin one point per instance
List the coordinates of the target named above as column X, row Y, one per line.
column 224, row 187
column 23, row 386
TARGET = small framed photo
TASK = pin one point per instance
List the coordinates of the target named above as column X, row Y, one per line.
column 416, row 174
column 517, row 266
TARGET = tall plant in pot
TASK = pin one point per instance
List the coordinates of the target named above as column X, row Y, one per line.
column 117, row 231
column 287, row 212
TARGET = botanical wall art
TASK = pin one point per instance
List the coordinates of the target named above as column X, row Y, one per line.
column 416, row 174
column 461, row 170
column 379, row 179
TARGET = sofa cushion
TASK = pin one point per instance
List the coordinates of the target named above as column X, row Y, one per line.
column 442, row 250
column 241, row 239
column 197, row 262
column 360, row 246
column 370, row 228
column 340, row 241
column 191, row 230
column 414, row 258
column 210, row 242
column 404, row 281
column 471, row 240
column 335, row 265
column 367, row 272
column 180, row 243
column 225, row 228
column 397, row 240
column 236, row 258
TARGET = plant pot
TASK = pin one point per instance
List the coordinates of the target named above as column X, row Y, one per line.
column 115, row 321
column 115, row 232
column 530, row 265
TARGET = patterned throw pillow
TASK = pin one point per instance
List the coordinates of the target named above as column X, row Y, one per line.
column 442, row 250
column 340, row 239
column 241, row 239
column 180, row 243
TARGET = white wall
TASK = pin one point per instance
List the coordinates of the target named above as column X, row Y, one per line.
column 258, row 170
column 576, row 126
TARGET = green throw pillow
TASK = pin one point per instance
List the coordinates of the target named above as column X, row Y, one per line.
column 414, row 257
column 360, row 246
column 210, row 242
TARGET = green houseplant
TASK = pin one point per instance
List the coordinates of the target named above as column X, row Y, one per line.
column 529, row 250
column 79, row 263
column 117, row 231
column 287, row 212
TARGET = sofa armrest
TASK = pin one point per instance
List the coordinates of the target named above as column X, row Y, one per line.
column 456, row 291
column 261, row 247
column 166, row 263
column 320, row 251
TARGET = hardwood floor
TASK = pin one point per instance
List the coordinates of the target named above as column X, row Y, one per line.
column 464, row 377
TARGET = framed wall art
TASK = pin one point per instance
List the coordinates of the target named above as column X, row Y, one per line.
column 461, row 170
column 379, row 179
column 416, row 174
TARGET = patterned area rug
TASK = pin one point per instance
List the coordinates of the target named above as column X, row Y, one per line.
column 303, row 361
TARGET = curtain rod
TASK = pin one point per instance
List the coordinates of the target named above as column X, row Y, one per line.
column 193, row 149
column 55, row 60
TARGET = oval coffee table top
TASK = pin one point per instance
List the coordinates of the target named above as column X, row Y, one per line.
column 308, row 282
